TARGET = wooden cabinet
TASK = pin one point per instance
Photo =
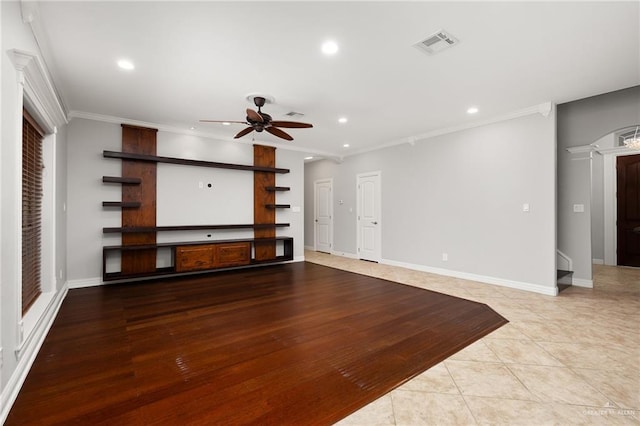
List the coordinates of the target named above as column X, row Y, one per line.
column 210, row 256
column 232, row 254
column 194, row 258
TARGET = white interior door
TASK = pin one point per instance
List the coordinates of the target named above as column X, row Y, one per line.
column 323, row 229
column 369, row 212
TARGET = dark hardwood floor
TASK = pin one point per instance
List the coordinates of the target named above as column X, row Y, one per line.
column 286, row 344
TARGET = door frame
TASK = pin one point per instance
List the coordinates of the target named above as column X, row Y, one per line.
column 379, row 213
column 315, row 210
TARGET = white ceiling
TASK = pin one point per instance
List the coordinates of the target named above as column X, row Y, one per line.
column 199, row 61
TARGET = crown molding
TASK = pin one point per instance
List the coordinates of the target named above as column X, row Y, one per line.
column 543, row 109
column 38, row 88
column 181, row 131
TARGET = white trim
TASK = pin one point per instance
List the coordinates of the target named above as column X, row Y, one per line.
column 535, row 288
column 567, row 258
column 85, row 282
column 543, row 109
column 582, row 149
column 581, row 282
column 298, row 259
column 38, row 89
column 29, row 352
column 345, row 254
column 597, row 261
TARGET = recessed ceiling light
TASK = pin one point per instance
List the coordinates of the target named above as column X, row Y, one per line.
column 192, row 128
column 329, row 47
column 126, row 64
column 342, row 120
column 226, row 123
column 346, row 145
column 308, row 158
column 472, row 110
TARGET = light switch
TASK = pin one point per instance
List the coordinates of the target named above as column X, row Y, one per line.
column 526, row 208
column 578, row 208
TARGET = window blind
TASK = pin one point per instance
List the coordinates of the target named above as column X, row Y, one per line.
column 32, row 166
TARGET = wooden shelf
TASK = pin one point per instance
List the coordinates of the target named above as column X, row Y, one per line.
column 121, row 204
column 278, row 206
column 277, row 188
column 172, row 270
column 122, row 180
column 191, row 227
column 187, row 162
column 196, row 243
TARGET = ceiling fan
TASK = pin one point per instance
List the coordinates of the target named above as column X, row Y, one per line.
column 259, row 121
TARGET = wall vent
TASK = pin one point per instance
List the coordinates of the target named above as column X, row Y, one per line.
column 437, row 42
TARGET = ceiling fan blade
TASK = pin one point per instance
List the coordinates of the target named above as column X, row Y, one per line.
column 243, row 132
column 291, row 124
column 223, row 121
column 279, row 133
column 253, row 115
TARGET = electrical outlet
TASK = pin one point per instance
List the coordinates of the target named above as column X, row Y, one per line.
column 445, row 257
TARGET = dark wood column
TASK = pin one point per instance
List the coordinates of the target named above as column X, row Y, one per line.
column 139, row 140
column 264, row 156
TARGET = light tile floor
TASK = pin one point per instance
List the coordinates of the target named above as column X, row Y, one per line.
column 570, row 359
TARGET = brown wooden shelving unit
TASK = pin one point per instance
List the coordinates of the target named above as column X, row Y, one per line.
column 139, row 238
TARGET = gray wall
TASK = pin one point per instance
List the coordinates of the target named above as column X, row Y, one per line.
column 582, row 123
column 180, row 201
column 460, row 193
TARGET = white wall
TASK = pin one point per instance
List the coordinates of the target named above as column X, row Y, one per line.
column 180, row 201
column 27, row 79
column 581, row 123
column 463, row 194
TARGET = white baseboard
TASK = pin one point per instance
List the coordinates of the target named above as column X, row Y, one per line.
column 84, row 282
column 345, row 254
column 597, row 261
column 298, row 259
column 581, row 282
column 28, row 353
column 535, row 288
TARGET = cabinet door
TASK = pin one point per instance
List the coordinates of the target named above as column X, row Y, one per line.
column 194, row 258
column 232, row 254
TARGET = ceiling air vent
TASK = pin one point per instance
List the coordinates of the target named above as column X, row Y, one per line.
column 294, row 114
column 437, row 42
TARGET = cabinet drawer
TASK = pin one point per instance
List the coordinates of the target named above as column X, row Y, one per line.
column 232, row 254
column 194, row 258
